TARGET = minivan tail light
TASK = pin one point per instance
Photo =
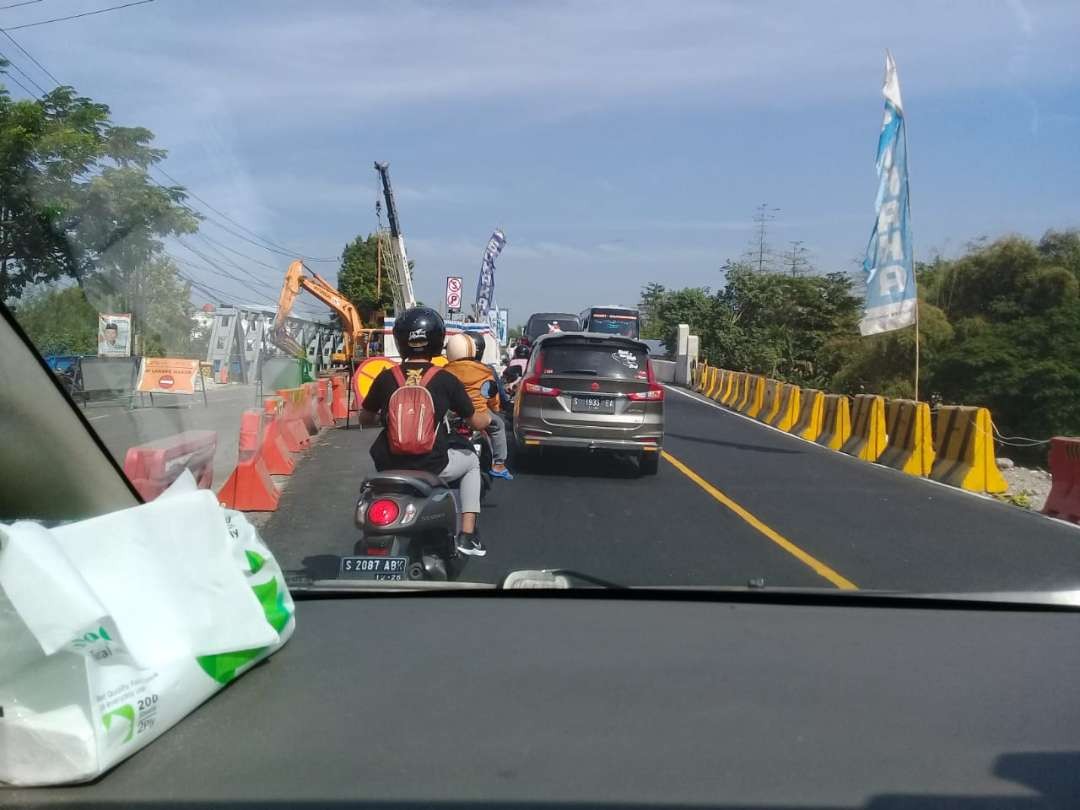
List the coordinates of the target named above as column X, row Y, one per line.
column 534, row 387
column 654, row 394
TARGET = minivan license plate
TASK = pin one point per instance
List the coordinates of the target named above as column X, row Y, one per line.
column 592, row 405
column 377, row 568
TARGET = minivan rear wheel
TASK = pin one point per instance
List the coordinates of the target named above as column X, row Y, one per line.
column 650, row 463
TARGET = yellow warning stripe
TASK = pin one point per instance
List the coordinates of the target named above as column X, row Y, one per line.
column 820, row 568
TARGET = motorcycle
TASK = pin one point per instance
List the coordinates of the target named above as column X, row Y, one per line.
column 409, row 521
column 464, row 436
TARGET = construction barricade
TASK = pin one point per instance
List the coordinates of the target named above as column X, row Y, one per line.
column 725, row 379
column 808, row 424
column 733, row 390
column 250, row 487
column 323, row 415
column 964, row 444
column 757, row 397
column 909, row 443
column 771, row 400
column 1064, row 498
column 835, row 421
column 729, row 381
column 747, row 391
column 339, row 404
column 275, row 446
column 710, row 381
column 700, row 371
column 867, row 439
column 787, row 411
column 153, row 466
column 294, row 427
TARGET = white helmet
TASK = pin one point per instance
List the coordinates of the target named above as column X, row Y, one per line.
column 459, row 347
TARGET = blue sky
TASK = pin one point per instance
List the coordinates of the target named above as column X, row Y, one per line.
column 616, row 143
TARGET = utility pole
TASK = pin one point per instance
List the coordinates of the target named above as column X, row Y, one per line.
column 796, row 260
column 763, row 215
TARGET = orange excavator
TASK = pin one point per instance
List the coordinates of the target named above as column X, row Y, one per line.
column 352, row 325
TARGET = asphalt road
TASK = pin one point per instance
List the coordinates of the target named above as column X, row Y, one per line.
column 734, row 501
column 121, row 428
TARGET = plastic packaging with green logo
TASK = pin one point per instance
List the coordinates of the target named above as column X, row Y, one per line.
column 115, row 628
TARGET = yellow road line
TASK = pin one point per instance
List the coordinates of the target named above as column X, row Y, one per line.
column 820, row 568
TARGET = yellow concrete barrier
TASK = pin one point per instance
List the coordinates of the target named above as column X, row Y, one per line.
column 910, row 446
column 811, row 412
column 757, row 397
column 867, row 440
column 699, row 376
column 964, row 443
column 736, row 390
column 710, row 381
column 771, row 402
column 788, row 410
column 721, row 380
column 747, row 393
column 725, row 384
column 835, row 421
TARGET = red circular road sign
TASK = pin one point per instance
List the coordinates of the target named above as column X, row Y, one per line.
column 166, row 381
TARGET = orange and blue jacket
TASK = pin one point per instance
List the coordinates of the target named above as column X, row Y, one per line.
column 474, row 374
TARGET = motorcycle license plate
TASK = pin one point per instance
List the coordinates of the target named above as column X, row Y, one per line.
column 378, row 568
column 592, row 405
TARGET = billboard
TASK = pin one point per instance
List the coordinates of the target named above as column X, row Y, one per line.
column 114, row 335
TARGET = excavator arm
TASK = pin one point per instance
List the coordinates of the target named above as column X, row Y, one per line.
column 295, row 281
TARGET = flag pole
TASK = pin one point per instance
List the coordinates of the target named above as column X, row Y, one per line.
column 914, row 275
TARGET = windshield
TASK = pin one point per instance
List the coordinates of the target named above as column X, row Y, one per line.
column 218, row 222
column 614, row 324
column 616, row 363
column 543, row 326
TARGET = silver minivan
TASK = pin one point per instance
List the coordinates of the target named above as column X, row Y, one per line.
column 592, row 392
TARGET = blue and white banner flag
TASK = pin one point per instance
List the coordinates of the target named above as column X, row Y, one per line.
column 890, row 274
column 485, row 287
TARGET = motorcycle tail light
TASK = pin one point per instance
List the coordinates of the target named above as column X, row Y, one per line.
column 382, row 512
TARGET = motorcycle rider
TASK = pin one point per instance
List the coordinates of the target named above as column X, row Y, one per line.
column 465, row 353
column 419, row 333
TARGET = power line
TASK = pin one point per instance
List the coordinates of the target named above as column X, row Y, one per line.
column 30, row 56
column 23, row 3
column 215, row 268
column 77, row 16
column 23, row 86
column 274, row 246
column 22, row 72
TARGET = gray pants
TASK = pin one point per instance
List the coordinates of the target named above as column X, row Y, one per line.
column 466, row 466
column 496, row 431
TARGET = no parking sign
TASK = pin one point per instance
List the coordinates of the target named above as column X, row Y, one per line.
column 453, row 293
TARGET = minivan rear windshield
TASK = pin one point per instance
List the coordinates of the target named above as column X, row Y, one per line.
column 604, row 361
column 542, row 326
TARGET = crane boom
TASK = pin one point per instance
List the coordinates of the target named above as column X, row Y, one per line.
column 351, row 324
column 403, row 289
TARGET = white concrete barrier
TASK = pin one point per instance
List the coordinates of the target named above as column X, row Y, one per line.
column 664, row 370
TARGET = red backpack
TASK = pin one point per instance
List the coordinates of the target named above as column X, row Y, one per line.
column 410, row 415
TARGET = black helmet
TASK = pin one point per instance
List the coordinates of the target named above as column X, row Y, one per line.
column 521, row 351
column 480, row 344
column 419, row 332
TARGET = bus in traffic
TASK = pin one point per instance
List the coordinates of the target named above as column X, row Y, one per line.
column 611, row 320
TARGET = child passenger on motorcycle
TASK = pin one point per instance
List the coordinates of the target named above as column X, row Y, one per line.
column 464, row 352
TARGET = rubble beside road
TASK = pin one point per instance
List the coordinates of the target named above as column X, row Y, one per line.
column 1028, row 487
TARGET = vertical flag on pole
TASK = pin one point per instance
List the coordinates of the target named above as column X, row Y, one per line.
column 890, row 273
column 485, row 286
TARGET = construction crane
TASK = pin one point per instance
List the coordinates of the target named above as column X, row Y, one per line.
column 401, row 276
column 351, row 324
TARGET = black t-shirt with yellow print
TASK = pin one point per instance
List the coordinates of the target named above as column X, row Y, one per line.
column 448, row 394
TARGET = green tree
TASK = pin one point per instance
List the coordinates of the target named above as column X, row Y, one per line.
column 358, row 277
column 76, row 202
column 59, row 320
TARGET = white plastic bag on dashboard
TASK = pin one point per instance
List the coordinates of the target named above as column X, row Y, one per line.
column 114, row 628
